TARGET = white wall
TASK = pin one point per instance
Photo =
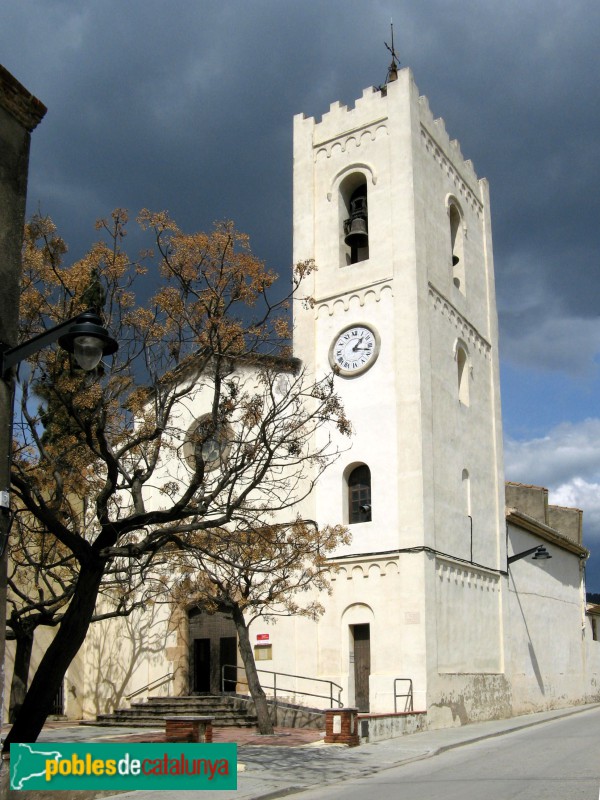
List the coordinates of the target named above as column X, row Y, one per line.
column 546, row 627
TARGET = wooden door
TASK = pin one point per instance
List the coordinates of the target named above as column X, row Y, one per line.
column 202, row 665
column 362, row 665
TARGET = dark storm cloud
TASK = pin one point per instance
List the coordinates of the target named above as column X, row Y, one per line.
column 188, row 106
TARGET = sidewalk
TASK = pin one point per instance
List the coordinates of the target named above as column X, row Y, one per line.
column 294, row 760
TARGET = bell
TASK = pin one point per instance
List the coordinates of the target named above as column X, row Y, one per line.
column 356, row 233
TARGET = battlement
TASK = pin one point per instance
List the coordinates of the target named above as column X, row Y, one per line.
column 374, row 106
column 436, row 127
column 341, row 118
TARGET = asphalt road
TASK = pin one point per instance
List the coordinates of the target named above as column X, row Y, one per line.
column 557, row 760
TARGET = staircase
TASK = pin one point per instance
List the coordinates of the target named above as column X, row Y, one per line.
column 226, row 710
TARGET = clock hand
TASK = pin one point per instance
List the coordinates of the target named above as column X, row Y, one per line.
column 356, row 347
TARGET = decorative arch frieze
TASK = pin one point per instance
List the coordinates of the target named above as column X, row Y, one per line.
column 434, row 150
column 351, row 140
column 464, row 329
column 378, row 568
column 358, row 297
column 467, row 576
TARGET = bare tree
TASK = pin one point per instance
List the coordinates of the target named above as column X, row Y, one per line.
column 211, row 338
column 264, row 571
column 41, row 580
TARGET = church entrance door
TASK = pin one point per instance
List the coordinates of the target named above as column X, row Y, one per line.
column 213, row 646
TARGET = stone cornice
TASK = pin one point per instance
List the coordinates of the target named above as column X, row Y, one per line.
column 18, row 102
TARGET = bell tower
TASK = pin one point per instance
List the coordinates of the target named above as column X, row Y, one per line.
column 398, row 224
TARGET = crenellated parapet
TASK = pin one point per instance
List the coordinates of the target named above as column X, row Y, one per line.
column 435, row 128
column 464, row 179
column 346, row 127
column 371, row 106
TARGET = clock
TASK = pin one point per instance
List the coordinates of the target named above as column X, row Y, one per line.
column 354, row 350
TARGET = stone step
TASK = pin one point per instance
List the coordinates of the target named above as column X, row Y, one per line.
column 139, row 721
column 197, row 700
column 226, row 710
column 180, row 712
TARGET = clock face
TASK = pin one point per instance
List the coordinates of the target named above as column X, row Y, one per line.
column 354, row 350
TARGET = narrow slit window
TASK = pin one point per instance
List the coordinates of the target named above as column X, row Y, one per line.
column 457, row 247
column 462, row 366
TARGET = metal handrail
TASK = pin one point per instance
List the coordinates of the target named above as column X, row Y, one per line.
column 408, row 695
column 329, row 697
column 152, row 685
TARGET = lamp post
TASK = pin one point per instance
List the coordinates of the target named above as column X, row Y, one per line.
column 84, row 335
column 88, row 340
column 540, row 554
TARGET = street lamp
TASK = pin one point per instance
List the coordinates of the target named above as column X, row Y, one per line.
column 540, row 554
column 87, row 339
column 84, row 336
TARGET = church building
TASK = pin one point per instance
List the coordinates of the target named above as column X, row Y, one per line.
column 456, row 596
column 433, row 606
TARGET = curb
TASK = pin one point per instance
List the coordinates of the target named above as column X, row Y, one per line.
column 433, row 752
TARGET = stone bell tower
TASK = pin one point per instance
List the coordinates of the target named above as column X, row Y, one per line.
column 398, row 224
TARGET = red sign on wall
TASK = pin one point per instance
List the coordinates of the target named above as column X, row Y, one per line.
column 262, row 637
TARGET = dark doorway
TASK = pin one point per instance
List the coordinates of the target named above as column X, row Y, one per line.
column 201, row 665
column 213, row 645
column 362, row 665
column 227, row 662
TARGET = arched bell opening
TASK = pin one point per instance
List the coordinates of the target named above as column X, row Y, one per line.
column 355, row 219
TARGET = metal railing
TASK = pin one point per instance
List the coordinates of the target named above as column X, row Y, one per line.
column 227, row 681
column 408, row 705
column 152, row 685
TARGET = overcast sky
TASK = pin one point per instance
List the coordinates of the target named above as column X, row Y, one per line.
column 188, row 106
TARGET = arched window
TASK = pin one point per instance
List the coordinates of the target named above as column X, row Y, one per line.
column 359, row 495
column 457, row 246
column 462, row 367
column 354, row 232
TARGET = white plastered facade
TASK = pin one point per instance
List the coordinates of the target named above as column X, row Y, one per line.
column 437, row 521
